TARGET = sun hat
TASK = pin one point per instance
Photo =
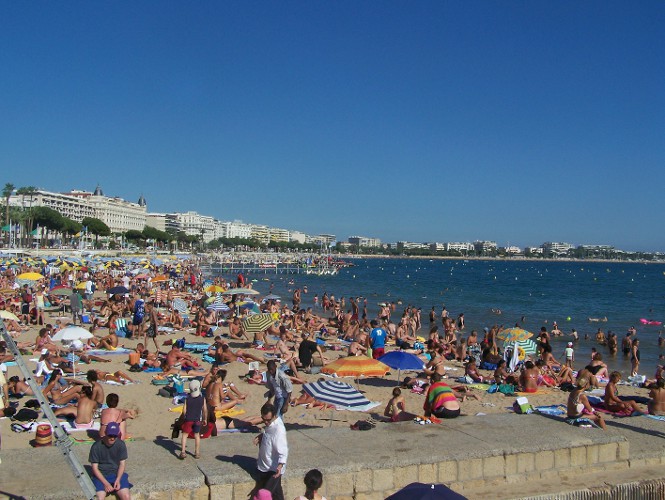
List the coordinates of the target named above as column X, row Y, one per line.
column 195, row 388
column 113, row 429
column 570, row 344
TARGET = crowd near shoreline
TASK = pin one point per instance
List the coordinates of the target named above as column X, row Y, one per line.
column 161, row 334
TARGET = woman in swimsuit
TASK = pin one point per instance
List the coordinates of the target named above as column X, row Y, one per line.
column 578, row 404
column 635, row 357
column 612, row 401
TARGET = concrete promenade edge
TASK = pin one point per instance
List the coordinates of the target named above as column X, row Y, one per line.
column 509, row 455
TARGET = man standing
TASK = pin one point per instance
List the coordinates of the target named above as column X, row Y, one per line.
column 89, row 292
column 377, row 339
column 279, row 387
column 273, row 452
column 75, row 305
column 108, row 458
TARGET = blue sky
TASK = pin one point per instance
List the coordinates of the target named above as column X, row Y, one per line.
column 520, row 122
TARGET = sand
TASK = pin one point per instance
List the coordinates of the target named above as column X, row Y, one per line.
column 154, row 418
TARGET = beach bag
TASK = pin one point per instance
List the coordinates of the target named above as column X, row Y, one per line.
column 43, row 436
column 180, row 343
column 493, row 388
column 32, row 403
column 521, row 406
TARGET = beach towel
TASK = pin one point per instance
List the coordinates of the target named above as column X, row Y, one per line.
column 600, row 407
column 115, row 352
column 482, row 387
column 582, row 422
column 72, row 427
column 551, row 410
column 656, row 417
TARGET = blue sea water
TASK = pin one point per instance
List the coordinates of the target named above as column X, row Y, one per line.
column 543, row 292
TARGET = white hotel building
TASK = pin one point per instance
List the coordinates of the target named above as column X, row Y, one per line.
column 119, row 215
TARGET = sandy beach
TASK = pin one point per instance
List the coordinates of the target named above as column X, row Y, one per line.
column 154, row 418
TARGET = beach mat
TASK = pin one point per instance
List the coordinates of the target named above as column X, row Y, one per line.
column 539, row 392
column 104, row 352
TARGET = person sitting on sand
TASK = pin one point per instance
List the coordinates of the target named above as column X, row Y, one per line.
column 597, row 367
column 578, row 404
column 441, row 400
column 471, row 370
column 548, row 357
column 501, row 375
column 228, row 356
column 180, row 360
column 435, row 364
column 218, row 392
column 529, row 377
column 657, row 394
column 115, row 414
column 612, row 401
column 58, row 394
column 236, row 331
column 109, row 342
column 396, row 408
column 83, row 412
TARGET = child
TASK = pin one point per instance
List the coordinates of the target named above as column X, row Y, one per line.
column 395, row 409
column 569, row 352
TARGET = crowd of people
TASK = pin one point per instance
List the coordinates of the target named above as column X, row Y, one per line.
column 134, row 310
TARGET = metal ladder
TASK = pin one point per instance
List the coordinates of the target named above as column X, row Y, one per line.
column 62, row 440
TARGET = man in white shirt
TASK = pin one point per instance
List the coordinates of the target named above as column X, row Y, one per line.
column 273, row 453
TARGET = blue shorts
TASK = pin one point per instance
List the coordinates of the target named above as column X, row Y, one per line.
column 124, row 482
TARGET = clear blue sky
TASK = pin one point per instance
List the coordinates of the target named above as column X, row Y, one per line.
column 520, row 122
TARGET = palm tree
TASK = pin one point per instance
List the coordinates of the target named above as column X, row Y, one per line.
column 6, row 194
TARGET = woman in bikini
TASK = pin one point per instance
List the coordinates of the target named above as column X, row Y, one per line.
column 578, row 404
column 612, row 401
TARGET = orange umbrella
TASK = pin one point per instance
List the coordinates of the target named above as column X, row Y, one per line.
column 159, row 278
column 356, row 366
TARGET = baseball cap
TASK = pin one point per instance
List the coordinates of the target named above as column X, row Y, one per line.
column 113, row 429
column 195, row 388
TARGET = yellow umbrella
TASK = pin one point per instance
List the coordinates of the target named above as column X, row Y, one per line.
column 81, row 285
column 214, row 289
column 356, row 366
column 30, row 276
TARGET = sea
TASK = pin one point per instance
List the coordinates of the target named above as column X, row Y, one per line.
column 528, row 293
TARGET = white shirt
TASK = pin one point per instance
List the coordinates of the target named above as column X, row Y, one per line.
column 274, row 449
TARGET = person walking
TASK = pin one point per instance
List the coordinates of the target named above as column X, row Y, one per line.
column 273, row 452
column 279, row 387
column 108, row 458
column 75, row 304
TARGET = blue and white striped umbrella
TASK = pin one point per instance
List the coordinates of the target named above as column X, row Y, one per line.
column 180, row 305
column 341, row 395
column 218, row 306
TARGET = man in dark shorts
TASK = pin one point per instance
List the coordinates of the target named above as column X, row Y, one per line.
column 306, row 350
column 108, row 458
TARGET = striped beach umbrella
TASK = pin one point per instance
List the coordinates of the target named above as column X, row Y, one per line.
column 179, row 305
column 218, row 306
column 356, row 366
column 342, row 396
column 257, row 322
column 241, row 291
column 527, row 345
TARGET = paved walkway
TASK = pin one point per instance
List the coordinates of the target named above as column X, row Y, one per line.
column 473, row 454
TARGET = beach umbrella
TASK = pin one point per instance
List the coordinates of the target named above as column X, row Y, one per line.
column 159, row 278
column 528, row 346
column 8, row 315
column 117, row 290
column 356, row 366
column 30, row 276
column 61, row 291
column 241, row 291
column 342, row 396
column 514, row 334
column 179, row 305
column 422, row 491
column 218, row 306
column 214, row 289
column 251, row 307
column 400, row 360
column 80, row 286
column 72, row 333
column 271, row 296
column 257, row 322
